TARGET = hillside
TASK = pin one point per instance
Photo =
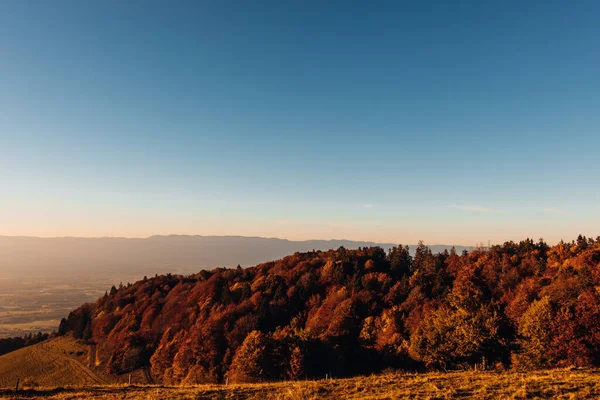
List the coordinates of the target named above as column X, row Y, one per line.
column 41, row 280
column 55, row 362
column 60, row 361
column 349, row 312
column 553, row 384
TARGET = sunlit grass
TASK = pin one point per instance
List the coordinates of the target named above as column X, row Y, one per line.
column 559, row 384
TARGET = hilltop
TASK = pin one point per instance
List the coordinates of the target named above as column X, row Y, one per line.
column 340, row 313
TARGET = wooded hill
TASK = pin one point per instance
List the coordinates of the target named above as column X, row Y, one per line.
column 346, row 312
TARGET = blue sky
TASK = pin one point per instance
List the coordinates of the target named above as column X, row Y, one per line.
column 451, row 122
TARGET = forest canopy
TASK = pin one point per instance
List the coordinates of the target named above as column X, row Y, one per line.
column 523, row 305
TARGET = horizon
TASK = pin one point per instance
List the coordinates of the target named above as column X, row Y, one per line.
column 458, row 123
column 226, row 236
column 375, row 242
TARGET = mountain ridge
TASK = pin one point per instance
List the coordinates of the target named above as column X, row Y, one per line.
column 156, row 254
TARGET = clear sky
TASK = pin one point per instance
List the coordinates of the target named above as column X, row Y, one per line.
column 449, row 121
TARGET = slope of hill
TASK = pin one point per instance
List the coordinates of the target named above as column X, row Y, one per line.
column 351, row 312
column 20, row 256
column 60, row 361
column 339, row 313
column 55, row 362
column 553, row 384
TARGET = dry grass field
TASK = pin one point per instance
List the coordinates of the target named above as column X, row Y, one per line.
column 555, row 384
column 56, row 362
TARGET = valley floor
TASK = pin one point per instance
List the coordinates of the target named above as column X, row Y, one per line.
column 560, row 384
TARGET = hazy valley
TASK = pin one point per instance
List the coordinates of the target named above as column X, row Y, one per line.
column 43, row 279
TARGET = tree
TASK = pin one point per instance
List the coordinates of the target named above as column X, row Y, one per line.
column 587, row 313
column 535, row 337
column 250, row 362
column 198, row 374
column 455, row 337
column 422, row 256
column 296, row 370
column 400, row 261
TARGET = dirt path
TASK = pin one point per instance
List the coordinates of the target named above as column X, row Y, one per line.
column 73, row 361
column 86, row 370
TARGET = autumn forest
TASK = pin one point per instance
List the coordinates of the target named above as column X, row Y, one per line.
column 341, row 312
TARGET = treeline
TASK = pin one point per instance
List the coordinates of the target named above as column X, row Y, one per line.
column 15, row 343
column 518, row 305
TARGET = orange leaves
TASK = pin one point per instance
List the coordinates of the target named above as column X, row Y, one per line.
column 250, row 361
column 350, row 311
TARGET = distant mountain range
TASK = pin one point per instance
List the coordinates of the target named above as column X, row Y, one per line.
column 20, row 256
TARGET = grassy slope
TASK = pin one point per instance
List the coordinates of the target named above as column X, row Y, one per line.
column 567, row 384
column 56, row 362
column 61, row 361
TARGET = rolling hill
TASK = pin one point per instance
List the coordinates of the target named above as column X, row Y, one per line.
column 55, row 362
column 60, row 361
column 339, row 313
column 352, row 312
